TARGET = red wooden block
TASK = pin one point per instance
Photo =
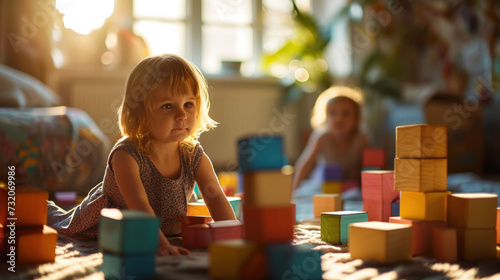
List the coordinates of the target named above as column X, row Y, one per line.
column 194, row 220
column 269, row 224
column 230, row 229
column 422, row 234
column 378, row 194
column 444, row 244
column 374, row 158
column 196, row 236
column 256, row 267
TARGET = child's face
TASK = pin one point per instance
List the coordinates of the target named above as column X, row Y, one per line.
column 341, row 117
column 174, row 116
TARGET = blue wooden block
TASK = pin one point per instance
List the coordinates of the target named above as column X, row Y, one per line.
column 260, row 153
column 286, row 261
column 335, row 225
column 395, row 209
column 332, row 172
column 128, row 232
column 128, row 266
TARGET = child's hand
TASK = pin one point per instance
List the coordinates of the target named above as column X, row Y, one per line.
column 168, row 250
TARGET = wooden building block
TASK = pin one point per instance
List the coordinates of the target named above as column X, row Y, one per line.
column 65, row 198
column 267, row 188
column 374, row 158
column 498, row 225
column 350, row 184
column 30, row 206
column 379, row 241
column 332, row 187
column 269, row 224
column 498, row 252
column 260, row 153
column 422, row 234
column 236, row 205
column 287, row 261
column 332, row 172
column 116, row 266
column 378, row 193
column 395, row 206
column 472, row 210
column 420, row 175
column 128, row 231
column 335, row 225
column 196, row 236
column 230, row 229
column 326, row 203
column 255, row 268
column 197, row 209
column 194, row 220
column 429, row 206
column 421, row 141
column 36, row 245
column 444, row 244
column 476, row 244
column 228, row 257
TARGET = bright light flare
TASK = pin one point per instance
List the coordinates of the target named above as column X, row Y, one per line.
column 83, row 16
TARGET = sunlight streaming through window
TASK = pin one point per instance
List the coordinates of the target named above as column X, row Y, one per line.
column 83, row 16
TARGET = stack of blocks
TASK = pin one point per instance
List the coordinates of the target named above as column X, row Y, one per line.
column 378, row 194
column 26, row 239
column 420, row 174
column 332, row 179
column 269, row 219
column 128, row 241
column 373, row 159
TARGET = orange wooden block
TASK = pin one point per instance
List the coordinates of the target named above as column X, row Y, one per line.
column 444, row 244
column 428, row 206
column 498, row 225
column 476, row 244
column 472, row 210
column 420, row 175
column 36, row 245
column 197, row 209
column 498, row 252
column 326, row 203
column 270, row 224
column 374, row 158
column 421, row 141
column 29, row 207
column 378, row 194
column 422, row 234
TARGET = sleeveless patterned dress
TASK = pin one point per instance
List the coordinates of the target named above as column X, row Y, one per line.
column 167, row 197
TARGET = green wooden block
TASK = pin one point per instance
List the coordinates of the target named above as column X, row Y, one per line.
column 128, row 232
column 128, row 266
column 335, row 225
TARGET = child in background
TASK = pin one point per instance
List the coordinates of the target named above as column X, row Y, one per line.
column 154, row 166
column 336, row 137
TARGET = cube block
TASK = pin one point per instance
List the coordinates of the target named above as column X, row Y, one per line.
column 444, row 244
column 395, row 205
column 422, row 234
column 374, row 158
column 128, row 231
column 332, row 187
column 332, row 172
column 379, row 241
column 194, row 220
column 421, row 141
column 267, row 188
column 197, row 209
column 35, row 245
column 472, row 210
column 430, row 206
column 498, row 225
column 283, row 258
column 196, row 236
column 335, row 225
column 269, row 224
column 30, row 206
column 230, row 229
column 476, row 244
column 128, row 266
column 255, row 267
column 326, row 203
column 378, row 193
column 228, row 257
column 420, row 175
column 236, row 205
column 260, row 153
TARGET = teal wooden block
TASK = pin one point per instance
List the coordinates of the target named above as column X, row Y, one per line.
column 286, row 261
column 128, row 232
column 335, row 225
column 236, row 205
column 128, row 266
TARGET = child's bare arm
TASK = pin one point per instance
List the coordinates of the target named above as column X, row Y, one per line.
column 130, row 185
column 307, row 160
column 214, row 197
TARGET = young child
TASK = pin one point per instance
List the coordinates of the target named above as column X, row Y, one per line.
column 336, row 137
column 154, row 166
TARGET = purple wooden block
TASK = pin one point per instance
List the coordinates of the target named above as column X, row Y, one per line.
column 332, row 172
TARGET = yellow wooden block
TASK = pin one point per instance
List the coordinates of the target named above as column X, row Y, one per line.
column 380, row 241
column 332, row 187
column 197, row 209
column 326, row 203
column 476, row 244
column 421, row 141
column 420, row 175
column 267, row 188
column 36, row 245
column 228, row 257
column 429, row 206
column 30, row 205
column 472, row 210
